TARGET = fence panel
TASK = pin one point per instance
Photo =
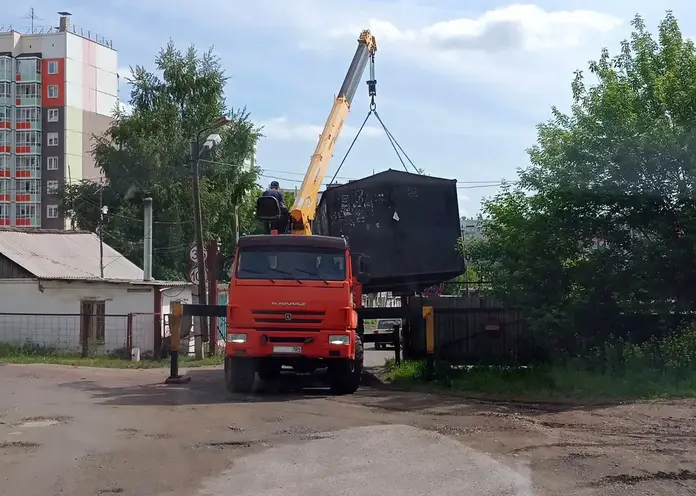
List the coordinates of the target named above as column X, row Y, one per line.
column 86, row 334
column 473, row 328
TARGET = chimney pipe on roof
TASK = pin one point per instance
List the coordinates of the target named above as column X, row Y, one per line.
column 64, row 24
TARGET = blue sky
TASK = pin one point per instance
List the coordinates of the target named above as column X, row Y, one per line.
column 461, row 84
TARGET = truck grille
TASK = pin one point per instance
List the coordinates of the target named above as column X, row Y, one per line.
column 291, row 317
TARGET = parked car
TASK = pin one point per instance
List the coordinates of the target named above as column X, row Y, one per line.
column 386, row 326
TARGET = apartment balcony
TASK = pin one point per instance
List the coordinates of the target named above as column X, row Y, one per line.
column 28, row 174
column 28, row 70
column 6, row 71
column 30, row 222
column 6, row 100
column 28, row 150
column 28, row 101
column 27, row 126
column 28, row 197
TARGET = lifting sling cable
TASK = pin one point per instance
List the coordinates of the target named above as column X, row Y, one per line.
column 398, row 149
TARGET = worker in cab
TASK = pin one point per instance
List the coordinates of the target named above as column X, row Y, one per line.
column 274, row 191
column 280, row 225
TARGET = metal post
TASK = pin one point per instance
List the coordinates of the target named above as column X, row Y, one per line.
column 101, row 231
column 198, row 229
column 147, row 240
column 397, row 344
column 213, row 248
column 177, row 310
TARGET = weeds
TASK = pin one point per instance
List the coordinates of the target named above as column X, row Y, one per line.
column 619, row 369
column 34, row 353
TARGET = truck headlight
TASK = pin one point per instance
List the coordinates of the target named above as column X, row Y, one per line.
column 237, row 338
column 339, row 339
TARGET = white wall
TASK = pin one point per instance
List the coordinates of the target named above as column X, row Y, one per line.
column 51, row 317
column 183, row 295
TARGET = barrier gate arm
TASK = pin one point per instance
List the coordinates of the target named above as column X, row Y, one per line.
column 177, row 311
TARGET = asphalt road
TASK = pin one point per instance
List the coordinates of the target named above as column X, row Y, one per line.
column 376, row 358
column 87, row 432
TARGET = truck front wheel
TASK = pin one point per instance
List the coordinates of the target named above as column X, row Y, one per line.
column 240, row 374
column 344, row 375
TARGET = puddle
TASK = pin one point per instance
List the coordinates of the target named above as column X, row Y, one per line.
column 18, row 447
column 38, row 423
column 31, row 422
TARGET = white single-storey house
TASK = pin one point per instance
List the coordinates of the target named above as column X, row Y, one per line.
column 53, row 294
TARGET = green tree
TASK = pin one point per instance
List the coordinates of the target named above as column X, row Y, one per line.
column 602, row 222
column 147, row 153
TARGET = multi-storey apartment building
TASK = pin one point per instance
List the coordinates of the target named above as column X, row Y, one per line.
column 58, row 87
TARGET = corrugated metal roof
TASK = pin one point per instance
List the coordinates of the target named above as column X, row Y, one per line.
column 52, row 254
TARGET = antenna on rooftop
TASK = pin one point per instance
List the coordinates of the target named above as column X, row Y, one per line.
column 32, row 15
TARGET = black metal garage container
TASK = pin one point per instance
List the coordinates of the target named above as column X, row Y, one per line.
column 408, row 224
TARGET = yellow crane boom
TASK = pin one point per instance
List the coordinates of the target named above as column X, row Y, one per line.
column 304, row 209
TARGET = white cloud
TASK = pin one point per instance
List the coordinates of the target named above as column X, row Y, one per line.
column 520, row 49
column 515, row 27
column 282, row 129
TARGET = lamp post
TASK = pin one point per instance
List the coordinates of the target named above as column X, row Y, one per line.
column 196, row 152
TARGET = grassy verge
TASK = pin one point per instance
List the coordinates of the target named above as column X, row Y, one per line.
column 618, row 369
column 547, row 383
column 28, row 355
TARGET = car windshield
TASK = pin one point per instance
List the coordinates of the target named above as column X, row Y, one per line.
column 292, row 264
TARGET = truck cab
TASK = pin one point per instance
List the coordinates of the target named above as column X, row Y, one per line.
column 292, row 302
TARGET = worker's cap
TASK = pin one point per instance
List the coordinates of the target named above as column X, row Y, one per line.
column 275, row 184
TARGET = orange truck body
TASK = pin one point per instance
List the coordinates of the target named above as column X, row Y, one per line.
column 281, row 311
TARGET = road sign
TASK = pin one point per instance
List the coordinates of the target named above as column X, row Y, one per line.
column 193, row 275
column 193, row 254
column 435, row 290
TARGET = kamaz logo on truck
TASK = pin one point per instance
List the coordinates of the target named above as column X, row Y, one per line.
column 289, row 303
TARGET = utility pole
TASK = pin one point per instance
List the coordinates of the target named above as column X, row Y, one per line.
column 101, row 231
column 147, row 239
column 198, row 230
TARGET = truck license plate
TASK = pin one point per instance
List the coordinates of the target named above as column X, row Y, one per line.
column 287, row 349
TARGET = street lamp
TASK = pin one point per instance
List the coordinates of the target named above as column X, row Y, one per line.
column 210, row 142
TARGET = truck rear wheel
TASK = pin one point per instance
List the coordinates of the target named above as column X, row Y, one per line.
column 344, row 375
column 240, row 374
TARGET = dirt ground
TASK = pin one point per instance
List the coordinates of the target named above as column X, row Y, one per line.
column 86, row 432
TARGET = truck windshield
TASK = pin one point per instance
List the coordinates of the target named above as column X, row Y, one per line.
column 292, row 264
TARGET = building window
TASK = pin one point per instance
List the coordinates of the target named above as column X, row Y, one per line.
column 53, row 91
column 5, row 90
column 52, row 139
column 52, row 67
column 27, row 138
column 27, row 163
column 52, row 163
column 52, row 115
column 51, row 187
column 51, row 211
column 28, row 187
column 25, row 211
column 28, row 90
column 31, row 114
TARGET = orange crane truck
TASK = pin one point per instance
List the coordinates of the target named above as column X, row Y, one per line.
column 293, row 295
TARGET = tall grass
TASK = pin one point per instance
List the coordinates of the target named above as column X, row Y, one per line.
column 619, row 369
